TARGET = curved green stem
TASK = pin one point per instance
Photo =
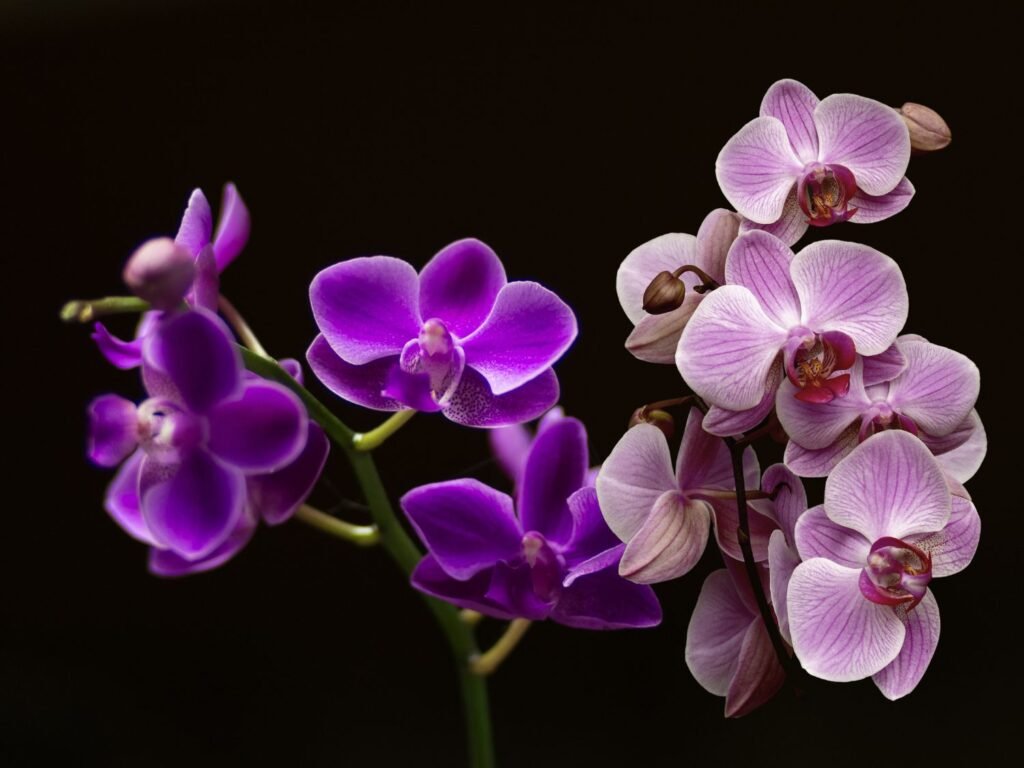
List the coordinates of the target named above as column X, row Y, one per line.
column 491, row 659
column 234, row 317
column 367, row 441
column 87, row 310
column 361, row 535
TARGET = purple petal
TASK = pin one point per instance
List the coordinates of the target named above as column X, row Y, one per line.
column 662, row 254
column 164, row 562
column 715, row 237
column 871, row 208
column 854, row 289
column 760, row 262
column 757, row 168
column 817, row 536
column 867, row 137
column 121, row 354
column 821, row 462
column 191, row 507
column 782, row 561
column 206, row 286
column 232, row 227
column 793, row 104
column 727, row 349
column 261, row 431
column 460, row 284
column 715, row 634
column 937, row 390
column 837, row 634
column 922, row 636
column 789, row 228
column 758, row 676
column 526, row 332
column 113, row 430
column 655, row 338
column 727, row 523
column 512, row 590
column 725, row 423
column 953, row 548
column 122, row 500
column 510, row 446
column 889, row 486
column 413, row 390
column 471, row 593
column 359, row 384
column 277, row 495
column 878, row 369
column 636, row 473
column 590, row 533
column 819, row 425
column 603, row 600
column 961, row 452
column 474, row 405
column 555, row 469
column 608, row 558
column 195, row 353
column 466, row 525
column 367, row 308
column 669, row 543
column 196, row 224
column 790, row 497
column 703, row 461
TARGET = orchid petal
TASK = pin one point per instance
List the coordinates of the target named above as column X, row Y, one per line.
column 359, row 384
column 555, row 469
column 590, row 533
column 428, row 577
column 703, row 461
column 232, row 227
column 656, row 337
column 903, row 674
column 196, row 223
column 662, row 254
column 819, row 425
column 953, row 548
column 119, row 353
column 474, row 405
column 603, row 600
column 816, row 535
column 782, row 561
column 758, row 676
column 122, row 500
column 790, row 226
column 757, row 169
column 871, row 208
column 633, row 477
column 725, row 423
column 715, row 237
column 669, row 543
column 262, row 430
column 961, row 452
column 937, row 390
column 165, row 563
column 793, row 104
column 820, row 462
column 884, row 367
column 460, row 284
column 760, row 262
column 277, row 495
column 113, row 430
column 790, row 497
column 715, row 633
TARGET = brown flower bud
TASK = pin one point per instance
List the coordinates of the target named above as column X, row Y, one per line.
column 161, row 272
column 661, row 419
column 664, row 294
column 928, row 131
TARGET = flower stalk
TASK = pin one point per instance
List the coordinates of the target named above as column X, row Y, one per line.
column 87, row 310
column 360, row 535
column 487, row 662
column 368, row 441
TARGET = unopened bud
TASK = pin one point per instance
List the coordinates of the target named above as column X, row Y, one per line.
column 160, row 272
column 660, row 419
column 664, row 294
column 928, row 131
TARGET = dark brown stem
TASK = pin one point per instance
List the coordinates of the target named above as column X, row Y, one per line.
column 708, row 282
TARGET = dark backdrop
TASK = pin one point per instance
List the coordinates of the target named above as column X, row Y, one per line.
column 562, row 136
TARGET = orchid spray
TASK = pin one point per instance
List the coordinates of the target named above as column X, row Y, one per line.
column 806, row 347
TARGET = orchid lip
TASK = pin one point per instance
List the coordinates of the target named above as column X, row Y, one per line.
column 436, row 352
column 166, row 432
column 897, row 573
column 547, row 567
column 824, row 192
column 815, row 363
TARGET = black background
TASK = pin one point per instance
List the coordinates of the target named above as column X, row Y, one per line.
column 562, row 136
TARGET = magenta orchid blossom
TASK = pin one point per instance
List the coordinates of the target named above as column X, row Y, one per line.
column 806, row 162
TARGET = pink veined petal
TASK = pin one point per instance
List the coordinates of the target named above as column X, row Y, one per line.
column 196, row 223
column 884, row 367
column 790, row 497
column 851, row 288
column 790, row 226
column 782, row 561
column 758, row 677
column 818, row 536
column 367, row 308
column 962, row 456
column 703, row 460
column 793, row 104
column 757, row 169
column 474, row 405
column 903, row 674
column 232, row 227
column 669, row 543
column 359, row 384
column 655, row 338
column 838, row 635
column 953, row 548
column 867, row 137
column 937, row 390
column 819, row 463
column 727, row 523
column 714, row 238
column 636, row 473
column 877, row 208
column 665, row 253
column 819, row 425
column 728, row 348
column 760, row 262
column 459, row 285
column 528, row 329
column 889, row 486
column 122, row 500
column 725, row 423
column 715, row 634
column 262, row 430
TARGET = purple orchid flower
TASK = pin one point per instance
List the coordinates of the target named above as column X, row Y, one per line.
column 803, row 315
column 212, row 253
column 664, row 516
column 520, row 560
column 655, row 337
column 456, row 338
column 859, row 604
column 933, row 398
column 728, row 650
column 208, row 454
column 805, row 162
column 511, row 446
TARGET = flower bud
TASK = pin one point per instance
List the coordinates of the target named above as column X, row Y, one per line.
column 161, row 272
column 660, row 419
column 928, row 131
column 664, row 294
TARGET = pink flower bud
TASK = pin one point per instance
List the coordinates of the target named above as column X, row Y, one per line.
column 161, row 272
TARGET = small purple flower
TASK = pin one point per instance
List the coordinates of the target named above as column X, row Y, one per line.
column 655, row 337
column 859, row 604
column 209, row 453
column 486, row 556
column 809, row 162
column 664, row 516
column 803, row 315
column 932, row 397
column 212, row 252
column 456, row 338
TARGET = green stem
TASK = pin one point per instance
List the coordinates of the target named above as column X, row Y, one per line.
column 241, row 327
column 84, row 311
column 367, row 441
column 362, row 535
column 404, row 552
column 487, row 662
